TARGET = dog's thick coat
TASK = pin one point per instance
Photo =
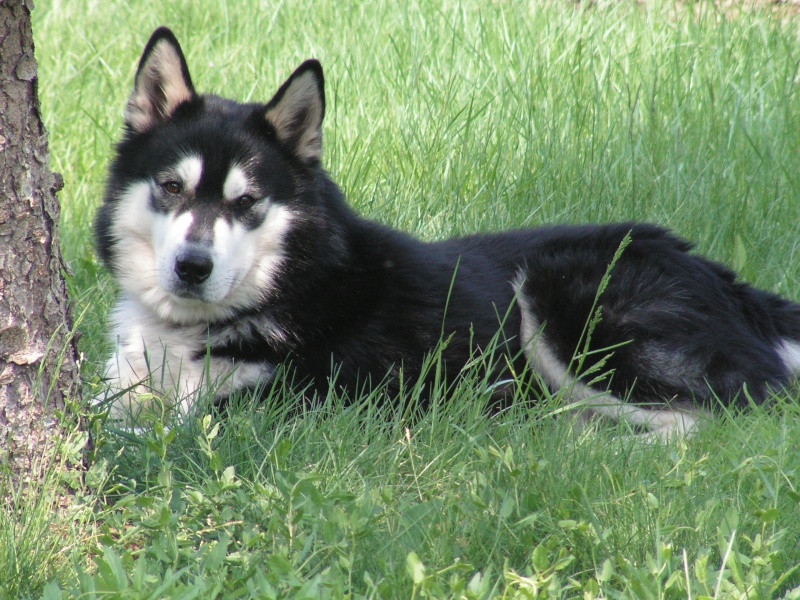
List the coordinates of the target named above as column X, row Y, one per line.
column 236, row 253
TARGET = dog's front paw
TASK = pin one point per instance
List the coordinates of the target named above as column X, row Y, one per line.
column 129, row 395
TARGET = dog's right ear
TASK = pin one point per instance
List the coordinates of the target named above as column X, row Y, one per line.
column 162, row 82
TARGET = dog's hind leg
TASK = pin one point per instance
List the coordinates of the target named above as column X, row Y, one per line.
column 662, row 421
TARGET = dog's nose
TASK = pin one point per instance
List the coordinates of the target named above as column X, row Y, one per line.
column 193, row 265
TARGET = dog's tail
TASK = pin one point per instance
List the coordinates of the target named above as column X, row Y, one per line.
column 785, row 318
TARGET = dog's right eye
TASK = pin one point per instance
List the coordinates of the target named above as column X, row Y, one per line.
column 172, row 187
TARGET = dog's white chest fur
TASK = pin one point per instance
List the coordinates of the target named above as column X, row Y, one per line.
column 169, row 361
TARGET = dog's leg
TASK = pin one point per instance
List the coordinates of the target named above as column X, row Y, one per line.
column 676, row 419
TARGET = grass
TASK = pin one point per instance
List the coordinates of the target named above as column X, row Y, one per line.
column 443, row 118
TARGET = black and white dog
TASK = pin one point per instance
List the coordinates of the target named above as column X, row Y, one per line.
column 236, row 253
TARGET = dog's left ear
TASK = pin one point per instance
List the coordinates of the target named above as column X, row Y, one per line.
column 297, row 110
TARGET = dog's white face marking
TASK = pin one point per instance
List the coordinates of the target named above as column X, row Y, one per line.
column 245, row 259
column 230, row 256
column 257, row 254
column 190, row 171
column 169, row 238
column 134, row 222
column 236, row 184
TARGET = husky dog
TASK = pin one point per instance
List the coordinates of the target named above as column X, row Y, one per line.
column 236, row 254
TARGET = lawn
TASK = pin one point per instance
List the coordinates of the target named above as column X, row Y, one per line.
column 443, row 119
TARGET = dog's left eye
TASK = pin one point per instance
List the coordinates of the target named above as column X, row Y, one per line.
column 243, row 203
column 172, row 187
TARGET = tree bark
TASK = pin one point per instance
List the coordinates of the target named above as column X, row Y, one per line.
column 38, row 362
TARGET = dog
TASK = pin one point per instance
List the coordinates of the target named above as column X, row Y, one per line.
column 236, row 255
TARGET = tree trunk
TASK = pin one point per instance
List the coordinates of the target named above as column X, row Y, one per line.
column 38, row 366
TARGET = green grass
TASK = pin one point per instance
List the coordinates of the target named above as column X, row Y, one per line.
column 443, row 118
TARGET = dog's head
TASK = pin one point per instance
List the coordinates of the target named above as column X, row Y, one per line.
column 204, row 191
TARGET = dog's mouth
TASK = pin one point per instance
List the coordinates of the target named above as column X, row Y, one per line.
column 199, row 295
column 191, row 293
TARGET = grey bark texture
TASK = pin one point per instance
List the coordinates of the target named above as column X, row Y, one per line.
column 38, row 363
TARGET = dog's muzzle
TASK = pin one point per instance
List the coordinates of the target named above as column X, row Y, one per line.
column 193, row 265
